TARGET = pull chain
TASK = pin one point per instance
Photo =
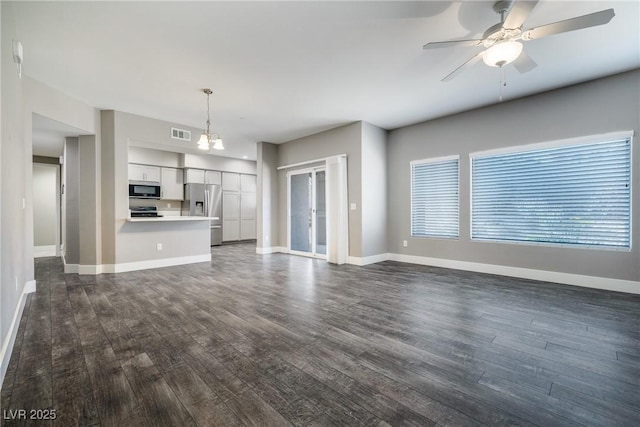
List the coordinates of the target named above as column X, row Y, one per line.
column 503, row 82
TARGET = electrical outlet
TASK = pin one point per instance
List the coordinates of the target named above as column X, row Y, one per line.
column 159, row 246
column 169, row 205
column 405, row 243
column 353, row 206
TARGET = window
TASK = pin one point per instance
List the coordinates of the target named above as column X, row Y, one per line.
column 434, row 197
column 567, row 193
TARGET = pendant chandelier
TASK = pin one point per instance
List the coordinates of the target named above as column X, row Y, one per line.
column 206, row 139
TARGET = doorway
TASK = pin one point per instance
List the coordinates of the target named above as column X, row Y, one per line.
column 46, row 207
column 307, row 213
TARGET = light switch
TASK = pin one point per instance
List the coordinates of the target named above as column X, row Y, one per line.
column 353, row 206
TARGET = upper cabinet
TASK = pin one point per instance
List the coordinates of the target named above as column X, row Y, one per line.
column 172, row 184
column 193, row 176
column 230, row 181
column 248, row 183
column 144, row 173
column 213, row 177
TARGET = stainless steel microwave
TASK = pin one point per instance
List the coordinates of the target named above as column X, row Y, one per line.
column 144, row 190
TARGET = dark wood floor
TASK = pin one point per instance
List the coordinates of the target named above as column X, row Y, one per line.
column 279, row 340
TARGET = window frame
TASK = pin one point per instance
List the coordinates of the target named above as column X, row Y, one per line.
column 440, row 159
column 576, row 141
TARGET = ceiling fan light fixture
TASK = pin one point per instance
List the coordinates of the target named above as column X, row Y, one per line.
column 502, row 53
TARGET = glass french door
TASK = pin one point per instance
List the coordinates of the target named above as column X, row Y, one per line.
column 307, row 213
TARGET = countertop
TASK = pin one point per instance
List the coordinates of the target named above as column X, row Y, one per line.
column 172, row 218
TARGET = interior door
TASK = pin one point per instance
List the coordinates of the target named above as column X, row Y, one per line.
column 307, row 213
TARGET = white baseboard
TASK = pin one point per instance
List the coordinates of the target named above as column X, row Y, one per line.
column 89, row 269
column 133, row 266
column 368, row 259
column 605, row 283
column 7, row 345
column 43, row 251
column 152, row 263
column 69, row 268
column 29, row 287
column 271, row 250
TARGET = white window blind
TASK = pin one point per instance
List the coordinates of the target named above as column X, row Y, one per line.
column 434, row 197
column 576, row 194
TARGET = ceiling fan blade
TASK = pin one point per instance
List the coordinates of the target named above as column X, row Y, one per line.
column 452, row 43
column 471, row 61
column 524, row 63
column 577, row 23
column 519, row 13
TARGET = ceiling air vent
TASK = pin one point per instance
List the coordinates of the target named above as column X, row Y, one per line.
column 184, row 135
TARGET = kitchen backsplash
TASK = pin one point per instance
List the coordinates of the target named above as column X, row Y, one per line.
column 165, row 207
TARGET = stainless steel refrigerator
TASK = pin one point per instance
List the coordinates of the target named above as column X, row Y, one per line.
column 205, row 200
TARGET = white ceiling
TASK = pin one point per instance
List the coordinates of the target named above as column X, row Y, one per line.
column 282, row 70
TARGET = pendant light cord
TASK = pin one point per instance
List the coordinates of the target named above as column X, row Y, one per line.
column 208, row 119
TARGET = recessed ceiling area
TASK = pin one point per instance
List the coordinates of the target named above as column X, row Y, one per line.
column 283, row 70
column 49, row 135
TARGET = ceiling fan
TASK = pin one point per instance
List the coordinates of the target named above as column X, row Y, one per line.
column 502, row 41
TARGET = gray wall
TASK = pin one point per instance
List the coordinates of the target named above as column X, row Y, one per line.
column 45, row 207
column 125, row 242
column 155, row 157
column 219, row 163
column 108, row 180
column 81, row 199
column 343, row 140
column 267, row 195
column 3, row 334
column 13, row 224
column 365, row 147
column 20, row 100
column 47, row 102
column 606, row 105
column 89, row 195
column 72, row 201
column 374, row 190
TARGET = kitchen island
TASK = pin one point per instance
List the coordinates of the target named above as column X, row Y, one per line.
column 153, row 242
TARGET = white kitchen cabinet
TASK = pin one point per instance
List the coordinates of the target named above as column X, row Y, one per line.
column 213, row 177
column 230, row 205
column 230, row 181
column 136, row 172
column 247, row 229
column 193, row 176
column 238, row 206
column 172, row 184
column 230, row 216
column 144, row 173
column 230, row 230
column 248, row 183
column 247, row 205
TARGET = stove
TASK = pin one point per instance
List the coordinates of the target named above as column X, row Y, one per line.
column 145, row 212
